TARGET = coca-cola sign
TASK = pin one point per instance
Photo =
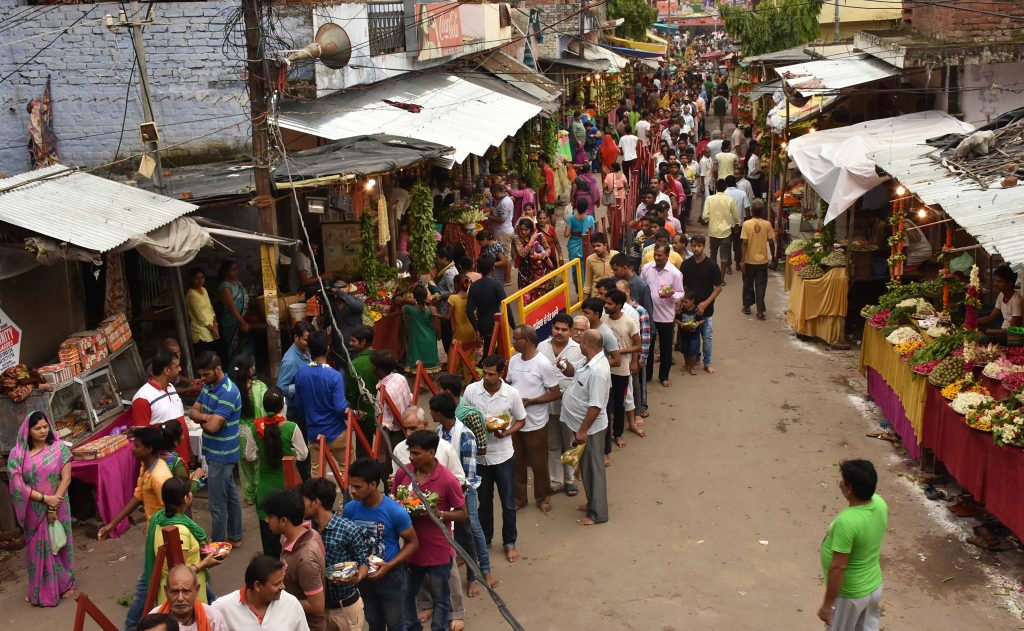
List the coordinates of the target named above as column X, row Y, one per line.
column 440, row 30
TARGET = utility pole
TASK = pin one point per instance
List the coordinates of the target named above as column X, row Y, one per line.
column 837, row 36
column 266, row 205
column 136, row 23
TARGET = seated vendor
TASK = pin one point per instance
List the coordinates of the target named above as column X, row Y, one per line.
column 1008, row 303
column 184, row 384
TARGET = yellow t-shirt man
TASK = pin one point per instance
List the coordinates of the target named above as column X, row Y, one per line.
column 756, row 232
column 721, row 214
column 673, row 257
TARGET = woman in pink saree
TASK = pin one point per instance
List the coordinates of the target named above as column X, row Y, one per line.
column 40, row 473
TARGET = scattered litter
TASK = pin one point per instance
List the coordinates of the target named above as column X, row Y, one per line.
column 119, row 560
column 921, row 556
column 701, row 541
column 763, row 542
column 947, row 579
column 743, row 593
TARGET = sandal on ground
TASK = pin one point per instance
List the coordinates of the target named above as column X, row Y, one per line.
column 571, row 490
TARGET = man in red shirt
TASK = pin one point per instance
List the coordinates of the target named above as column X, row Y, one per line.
column 547, row 190
column 157, row 401
column 433, row 557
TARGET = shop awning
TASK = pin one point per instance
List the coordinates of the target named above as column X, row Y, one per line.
column 829, row 76
column 837, row 162
column 84, row 210
column 470, row 113
column 362, row 155
column 993, row 216
column 523, row 78
column 598, row 53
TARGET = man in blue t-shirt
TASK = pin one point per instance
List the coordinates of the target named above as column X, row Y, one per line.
column 320, row 394
column 384, row 523
column 217, row 410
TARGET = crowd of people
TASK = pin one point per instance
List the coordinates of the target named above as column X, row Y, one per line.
column 585, row 385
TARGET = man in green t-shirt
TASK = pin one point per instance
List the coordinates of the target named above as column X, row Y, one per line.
column 361, row 343
column 851, row 550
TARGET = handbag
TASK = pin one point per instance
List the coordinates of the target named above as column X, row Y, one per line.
column 58, row 538
column 607, row 198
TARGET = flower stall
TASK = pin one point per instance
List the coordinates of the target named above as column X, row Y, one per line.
column 943, row 391
column 818, row 285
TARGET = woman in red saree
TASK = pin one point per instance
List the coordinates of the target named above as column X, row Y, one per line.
column 40, row 473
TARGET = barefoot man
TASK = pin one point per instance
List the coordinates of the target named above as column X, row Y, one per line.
column 583, row 412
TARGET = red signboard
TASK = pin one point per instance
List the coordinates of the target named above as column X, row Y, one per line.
column 543, row 311
column 440, row 27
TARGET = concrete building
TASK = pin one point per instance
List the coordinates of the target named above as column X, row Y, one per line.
column 966, row 58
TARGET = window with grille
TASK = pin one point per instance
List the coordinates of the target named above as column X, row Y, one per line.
column 387, row 27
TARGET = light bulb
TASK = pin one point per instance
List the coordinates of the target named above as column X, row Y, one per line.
column 784, row 144
column 900, row 191
column 370, row 184
column 812, row 130
column 922, row 213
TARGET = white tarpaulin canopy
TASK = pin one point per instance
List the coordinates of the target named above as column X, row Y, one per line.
column 835, row 162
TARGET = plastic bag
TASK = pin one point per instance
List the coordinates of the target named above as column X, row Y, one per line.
column 572, row 456
column 58, row 538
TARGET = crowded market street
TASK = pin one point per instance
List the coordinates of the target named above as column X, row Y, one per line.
column 716, row 516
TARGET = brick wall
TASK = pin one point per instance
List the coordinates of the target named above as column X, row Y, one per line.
column 953, row 22
column 197, row 82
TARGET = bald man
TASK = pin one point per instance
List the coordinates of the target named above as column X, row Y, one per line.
column 583, row 412
column 182, row 603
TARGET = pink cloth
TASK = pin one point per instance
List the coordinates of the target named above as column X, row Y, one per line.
column 892, row 409
column 113, row 476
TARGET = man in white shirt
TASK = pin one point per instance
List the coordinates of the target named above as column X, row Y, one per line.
column 716, row 143
column 262, row 602
column 183, row 605
column 415, row 419
column 157, row 402
column 556, row 348
column 643, row 127
column 627, row 145
column 495, row 398
column 533, row 375
column 584, row 414
column 739, row 196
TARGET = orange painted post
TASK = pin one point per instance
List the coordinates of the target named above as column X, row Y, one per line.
column 85, row 607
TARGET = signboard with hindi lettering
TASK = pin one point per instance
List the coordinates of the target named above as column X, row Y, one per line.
column 440, row 30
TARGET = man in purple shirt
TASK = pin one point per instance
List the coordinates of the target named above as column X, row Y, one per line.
column 666, row 283
column 433, row 557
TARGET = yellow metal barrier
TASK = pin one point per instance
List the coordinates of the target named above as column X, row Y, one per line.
column 541, row 311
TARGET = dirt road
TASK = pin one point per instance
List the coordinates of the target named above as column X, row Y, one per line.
column 716, row 516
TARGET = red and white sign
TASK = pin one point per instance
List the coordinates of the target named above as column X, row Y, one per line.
column 544, row 309
column 440, row 27
column 10, row 342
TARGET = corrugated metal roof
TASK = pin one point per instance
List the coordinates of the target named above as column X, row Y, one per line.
column 830, row 75
column 993, row 216
column 453, row 111
column 524, row 79
column 85, row 210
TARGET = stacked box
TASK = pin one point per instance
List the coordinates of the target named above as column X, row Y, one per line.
column 116, row 331
column 93, row 345
column 100, row 448
column 56, row 373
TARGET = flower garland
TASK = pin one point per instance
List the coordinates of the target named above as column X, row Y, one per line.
column 971, row 301
column 989, row 415
column 904, row 334
column 906, row 349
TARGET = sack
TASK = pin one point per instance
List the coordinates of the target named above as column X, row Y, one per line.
column 58, row 538
column 607, row 199
column 572, row 456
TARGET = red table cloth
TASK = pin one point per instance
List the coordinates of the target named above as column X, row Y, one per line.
column 113, row 476
column 994, row 475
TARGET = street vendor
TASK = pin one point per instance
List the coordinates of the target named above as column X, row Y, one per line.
column 158, row 401
column 1008, row 303
column 184, row 384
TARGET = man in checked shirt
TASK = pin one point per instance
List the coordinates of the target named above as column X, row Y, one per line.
column 343, row 541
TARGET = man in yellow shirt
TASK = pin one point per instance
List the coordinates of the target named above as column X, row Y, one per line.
column 721, row 214
column 661, row 237
column 758, row 242
column 599, row 264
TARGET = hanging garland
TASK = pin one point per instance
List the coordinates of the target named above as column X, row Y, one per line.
column 422, row 242
column 369, row 266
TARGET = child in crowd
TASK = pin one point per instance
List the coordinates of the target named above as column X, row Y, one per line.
column 688, row 321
